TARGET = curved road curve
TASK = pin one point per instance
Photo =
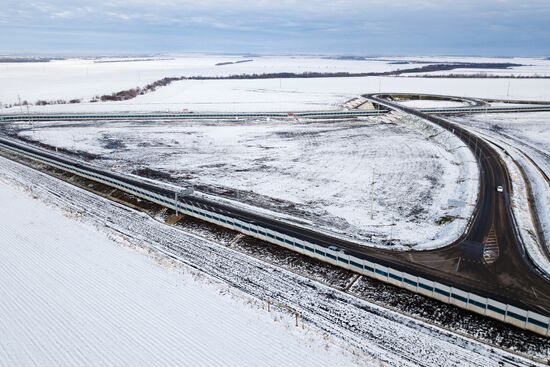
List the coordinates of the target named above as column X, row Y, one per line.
column 472, row 102
column 511, row 279
column 513, row 274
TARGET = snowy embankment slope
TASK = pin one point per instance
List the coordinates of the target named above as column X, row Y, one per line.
column 376, row 334
column 318, row 172
column 70, row 295
column 537, row 246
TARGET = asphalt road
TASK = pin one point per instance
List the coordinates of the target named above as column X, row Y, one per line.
column 511, row 279
column 512, row 275
column 472, row 102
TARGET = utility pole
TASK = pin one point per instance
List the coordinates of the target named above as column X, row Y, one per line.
column 20, row 106
column 508, row 91
column 372, row 196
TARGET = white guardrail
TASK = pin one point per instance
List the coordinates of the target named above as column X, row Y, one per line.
column 311, row 114
column 184, row 115
column 469, row 301
column 484, row 109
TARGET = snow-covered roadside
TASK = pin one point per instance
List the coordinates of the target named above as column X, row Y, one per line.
column 72, row 295
column 394, row 339
column 541, row 198
column 523, row 137
column 528, row 131
column 523, row 213
column 522, row 210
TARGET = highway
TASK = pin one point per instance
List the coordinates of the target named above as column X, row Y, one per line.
column 478, row 107
column 513, row 274
column 511, row 279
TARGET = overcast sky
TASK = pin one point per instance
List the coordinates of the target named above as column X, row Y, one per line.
column 359, row 27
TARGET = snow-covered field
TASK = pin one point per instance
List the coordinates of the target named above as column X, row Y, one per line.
column 99, row 292
column 526, row 137
column 78, row 298
column 80, row 78
column 531, row 66
column 84, row 79
column 297, row 94
column 318, row 172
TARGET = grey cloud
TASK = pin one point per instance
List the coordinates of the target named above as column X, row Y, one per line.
column 339, row 25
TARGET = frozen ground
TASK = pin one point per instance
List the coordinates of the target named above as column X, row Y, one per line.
column 318, row 172
column 298, row 94
column 531, row 66
column 85, row 79
column 529, row 131
column 77, row 297
column 376, row 336
column 79, row 78
column 526, row 138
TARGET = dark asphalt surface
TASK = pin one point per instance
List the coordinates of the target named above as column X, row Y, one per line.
column 512, row 276
column 511, row 279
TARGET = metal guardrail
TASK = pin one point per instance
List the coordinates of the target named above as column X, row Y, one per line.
column 484, row 109
column 521, row 318
column 185, row 116
column 312, row 114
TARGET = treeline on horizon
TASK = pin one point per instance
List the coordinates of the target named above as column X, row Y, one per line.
column 151, row 87
column 134, row 92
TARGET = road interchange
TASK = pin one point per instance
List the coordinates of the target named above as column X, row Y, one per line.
column 512, row 279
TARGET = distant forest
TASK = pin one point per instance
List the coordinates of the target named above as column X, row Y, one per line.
column 27, row 59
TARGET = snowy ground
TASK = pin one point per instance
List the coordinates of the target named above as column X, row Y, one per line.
column 79, row 78
column 105, row 304
column 318, row 172
column 77, row 297
column 298, row 94
column 531, row 66
column 84, row 79
column 529, row 131
column 526, row 137
column 431, row 103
